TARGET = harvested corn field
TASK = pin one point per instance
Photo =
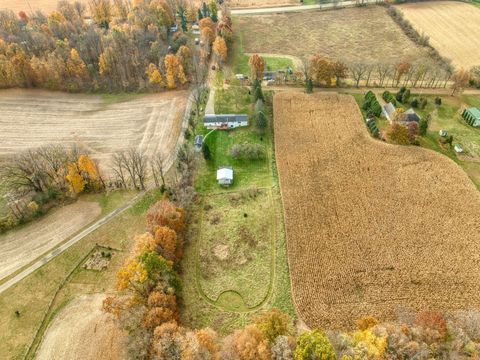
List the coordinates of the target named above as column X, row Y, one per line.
column 453, row 28
column 29, row 6
column 102, row 125
column 372, row 228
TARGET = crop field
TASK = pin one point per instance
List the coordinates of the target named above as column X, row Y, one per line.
column 354, row 34
column 46, row 6
column 260, row 3
column 453, row 28
column 102, row 125
column 371, row 227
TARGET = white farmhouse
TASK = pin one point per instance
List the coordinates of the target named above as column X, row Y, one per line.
column 225, row 121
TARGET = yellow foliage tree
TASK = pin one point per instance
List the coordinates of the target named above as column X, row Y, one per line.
column 374, row 345
column 132, row 272
column 174, row 70
column 220, row 49
column 75, row 179
column 88, row 166
column 76, row 66
column 154, row 75
column 257, row 66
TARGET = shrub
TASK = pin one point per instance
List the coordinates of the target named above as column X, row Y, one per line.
column 388, row 97
column 414, row 103
column 314, row 345
column 247, row 151
column 400, row 93
column 206, row 152
column 438, row 101
column 423, row 126
column 398, row 134
column 260, row 121
column 423, row 103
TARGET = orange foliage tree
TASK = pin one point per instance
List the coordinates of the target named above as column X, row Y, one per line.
column 166, row 241
column 165, row 213
column 175, row 73
column 257, row 66
column 220, row 49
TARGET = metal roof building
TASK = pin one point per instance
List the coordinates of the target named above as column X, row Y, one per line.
column 472, row 116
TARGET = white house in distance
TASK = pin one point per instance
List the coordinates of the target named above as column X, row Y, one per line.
column 225, row 176
column 225, row 121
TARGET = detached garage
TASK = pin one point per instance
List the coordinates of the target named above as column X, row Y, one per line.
column 472, row 116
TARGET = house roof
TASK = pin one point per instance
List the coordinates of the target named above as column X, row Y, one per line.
column 211, row 118
column 225, row 174
column 389, row 109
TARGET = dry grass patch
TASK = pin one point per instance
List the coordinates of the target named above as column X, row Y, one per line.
column 453, row 28
column 102, row 125
column 371, row 227
column 84, row 329
column 354, row 34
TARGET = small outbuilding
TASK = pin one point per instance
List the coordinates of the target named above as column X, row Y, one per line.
column 472, row 116
column 458, row 148
column 225, row 176
column 443, row 133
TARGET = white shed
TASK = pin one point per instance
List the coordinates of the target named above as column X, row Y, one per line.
column 458, row 148
column 225, row 176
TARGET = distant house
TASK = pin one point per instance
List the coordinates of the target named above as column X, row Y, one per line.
column 225, row 121
column 472, row 116
column 408, row 117
column 458, row 148
column 174, row 28
column 225, row 176
column 198, row 142
column 269, row 75
column 389, row 111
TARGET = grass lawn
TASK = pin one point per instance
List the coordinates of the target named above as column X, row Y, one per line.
column 239, row 61
column 235, row 246
column 32, row 295
column 235, row 266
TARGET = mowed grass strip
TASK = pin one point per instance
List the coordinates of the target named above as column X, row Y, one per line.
column 371, row 227
column 366, row 34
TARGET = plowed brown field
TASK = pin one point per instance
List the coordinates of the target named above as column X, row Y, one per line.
column 371, row 227
column 453, row 28
column 32, row 118
column 47, row 6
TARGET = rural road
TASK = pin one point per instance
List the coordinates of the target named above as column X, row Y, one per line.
column 297, row 8
column 54, row 253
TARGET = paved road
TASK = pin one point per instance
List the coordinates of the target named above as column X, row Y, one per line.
column 54, row 253
column 298, row 8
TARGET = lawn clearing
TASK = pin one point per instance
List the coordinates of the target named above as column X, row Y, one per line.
column 102, row 125
column 235, row 246
column 453, row 28
column 371, row 227
column 366, row 34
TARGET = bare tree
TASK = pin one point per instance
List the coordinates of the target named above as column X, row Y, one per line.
column 358, row 71
column 460, row 80
column 119, row 168
column 383, row 70
column 157, row 168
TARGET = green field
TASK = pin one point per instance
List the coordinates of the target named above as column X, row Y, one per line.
column 32, row 295
column 236, row 263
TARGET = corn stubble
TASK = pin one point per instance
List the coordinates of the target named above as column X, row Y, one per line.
column 372, row 228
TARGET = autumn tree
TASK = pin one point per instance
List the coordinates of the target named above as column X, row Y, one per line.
column 220, row 49
column 75, row 179
column 101, row 11
column 167, row 242
column 165, row 213
column 273, row 324
column 398, row 134
column 460, row 80
column 174, row 71
column 207, row 29
column 168, row 341
column 257, row 66
column 322, row 70
column 313, row 345
column 249, row 343
column 154, row 75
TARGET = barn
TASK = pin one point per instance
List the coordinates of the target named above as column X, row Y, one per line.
column 225, row 121
column 472, row 116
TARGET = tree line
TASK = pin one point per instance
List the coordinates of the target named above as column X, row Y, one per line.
column 125, row 46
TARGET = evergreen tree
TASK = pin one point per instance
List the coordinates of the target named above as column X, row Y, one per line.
column 258, row 94
column 309, row 86
column 261, row 120
column 206, row 152
column 200, row 15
